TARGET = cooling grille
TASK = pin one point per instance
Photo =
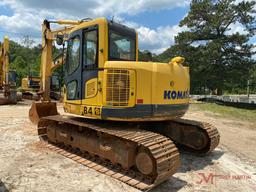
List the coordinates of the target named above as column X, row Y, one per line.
column 118, row 87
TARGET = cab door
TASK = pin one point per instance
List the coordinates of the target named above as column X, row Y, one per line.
column 90, row 65
column 73, row 68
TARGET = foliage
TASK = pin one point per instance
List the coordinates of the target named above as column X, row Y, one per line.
column 219, row 59
column 145, row 56
column 24, row 60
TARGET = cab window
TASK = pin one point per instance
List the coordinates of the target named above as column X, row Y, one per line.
column 90, row 49
column 73, row 54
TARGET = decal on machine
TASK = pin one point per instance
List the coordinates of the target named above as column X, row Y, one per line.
column 93, row 111
column 168, row 94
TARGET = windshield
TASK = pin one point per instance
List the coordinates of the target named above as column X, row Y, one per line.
column 121, row 47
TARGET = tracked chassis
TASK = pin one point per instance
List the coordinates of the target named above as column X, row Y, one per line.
column 130, row 152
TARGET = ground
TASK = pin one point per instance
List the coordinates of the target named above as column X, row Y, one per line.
column 26, row 165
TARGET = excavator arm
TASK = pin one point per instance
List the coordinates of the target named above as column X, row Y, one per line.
column 47, row 66
column 58, row 61
column 4, row 62
column 8, row 93
column 49, row 36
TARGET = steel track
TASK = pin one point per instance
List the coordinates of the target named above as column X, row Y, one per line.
column 162, row 149
column 209, row 130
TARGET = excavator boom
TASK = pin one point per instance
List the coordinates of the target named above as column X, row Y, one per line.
column 46, row 107
column 8, row 93
column 4, row 62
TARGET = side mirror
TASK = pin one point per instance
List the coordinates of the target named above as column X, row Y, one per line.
column 60, row 39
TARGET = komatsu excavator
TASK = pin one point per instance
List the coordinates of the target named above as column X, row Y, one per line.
column 126, row 114
column 8, row 93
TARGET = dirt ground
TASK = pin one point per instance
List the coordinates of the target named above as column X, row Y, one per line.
column 25, row 165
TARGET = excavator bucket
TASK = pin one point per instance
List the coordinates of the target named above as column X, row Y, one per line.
column 42, row 109
column 10, row 98
column 6, row 101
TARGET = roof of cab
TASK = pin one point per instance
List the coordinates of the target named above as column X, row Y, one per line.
column 101, row 20
column 89, row 23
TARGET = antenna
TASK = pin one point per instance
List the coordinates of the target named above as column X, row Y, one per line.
column 86, row 19
column 112, row 20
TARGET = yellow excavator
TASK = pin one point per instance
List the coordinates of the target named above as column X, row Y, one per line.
column 126, row 114
column 30, row 85
column 8, row 93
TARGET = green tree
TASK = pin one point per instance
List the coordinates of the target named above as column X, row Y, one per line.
column 145, row 55
column 21, row 58
column 219, row 59
column 21, row 68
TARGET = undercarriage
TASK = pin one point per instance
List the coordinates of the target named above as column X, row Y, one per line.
column 140, row 154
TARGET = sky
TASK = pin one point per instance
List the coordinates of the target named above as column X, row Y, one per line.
column 156, row 21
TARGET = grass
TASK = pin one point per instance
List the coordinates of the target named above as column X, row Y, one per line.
column 226, row 111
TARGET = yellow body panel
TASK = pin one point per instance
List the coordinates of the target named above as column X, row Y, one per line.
column 90, row 111
column 150, row 83
column 152, row 79
column 96, row 100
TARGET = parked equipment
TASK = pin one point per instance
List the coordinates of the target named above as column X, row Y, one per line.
column 30, row 85
column 127, row 114
column 8, row 93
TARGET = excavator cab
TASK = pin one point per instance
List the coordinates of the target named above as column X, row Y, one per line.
column 105, row 80
column 85, row 60
column 87, row 50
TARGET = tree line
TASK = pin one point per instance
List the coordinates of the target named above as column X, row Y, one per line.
column 221, row 60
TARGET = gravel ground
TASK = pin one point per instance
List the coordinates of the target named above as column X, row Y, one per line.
column 26, row 165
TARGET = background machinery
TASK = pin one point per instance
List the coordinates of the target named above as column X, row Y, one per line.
column 8, row 93
column 30, row 85
column 126, row 118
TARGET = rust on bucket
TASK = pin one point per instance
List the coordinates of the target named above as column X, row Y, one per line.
column 42, row 109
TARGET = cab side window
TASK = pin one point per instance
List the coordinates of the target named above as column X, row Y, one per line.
column 90, row 49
